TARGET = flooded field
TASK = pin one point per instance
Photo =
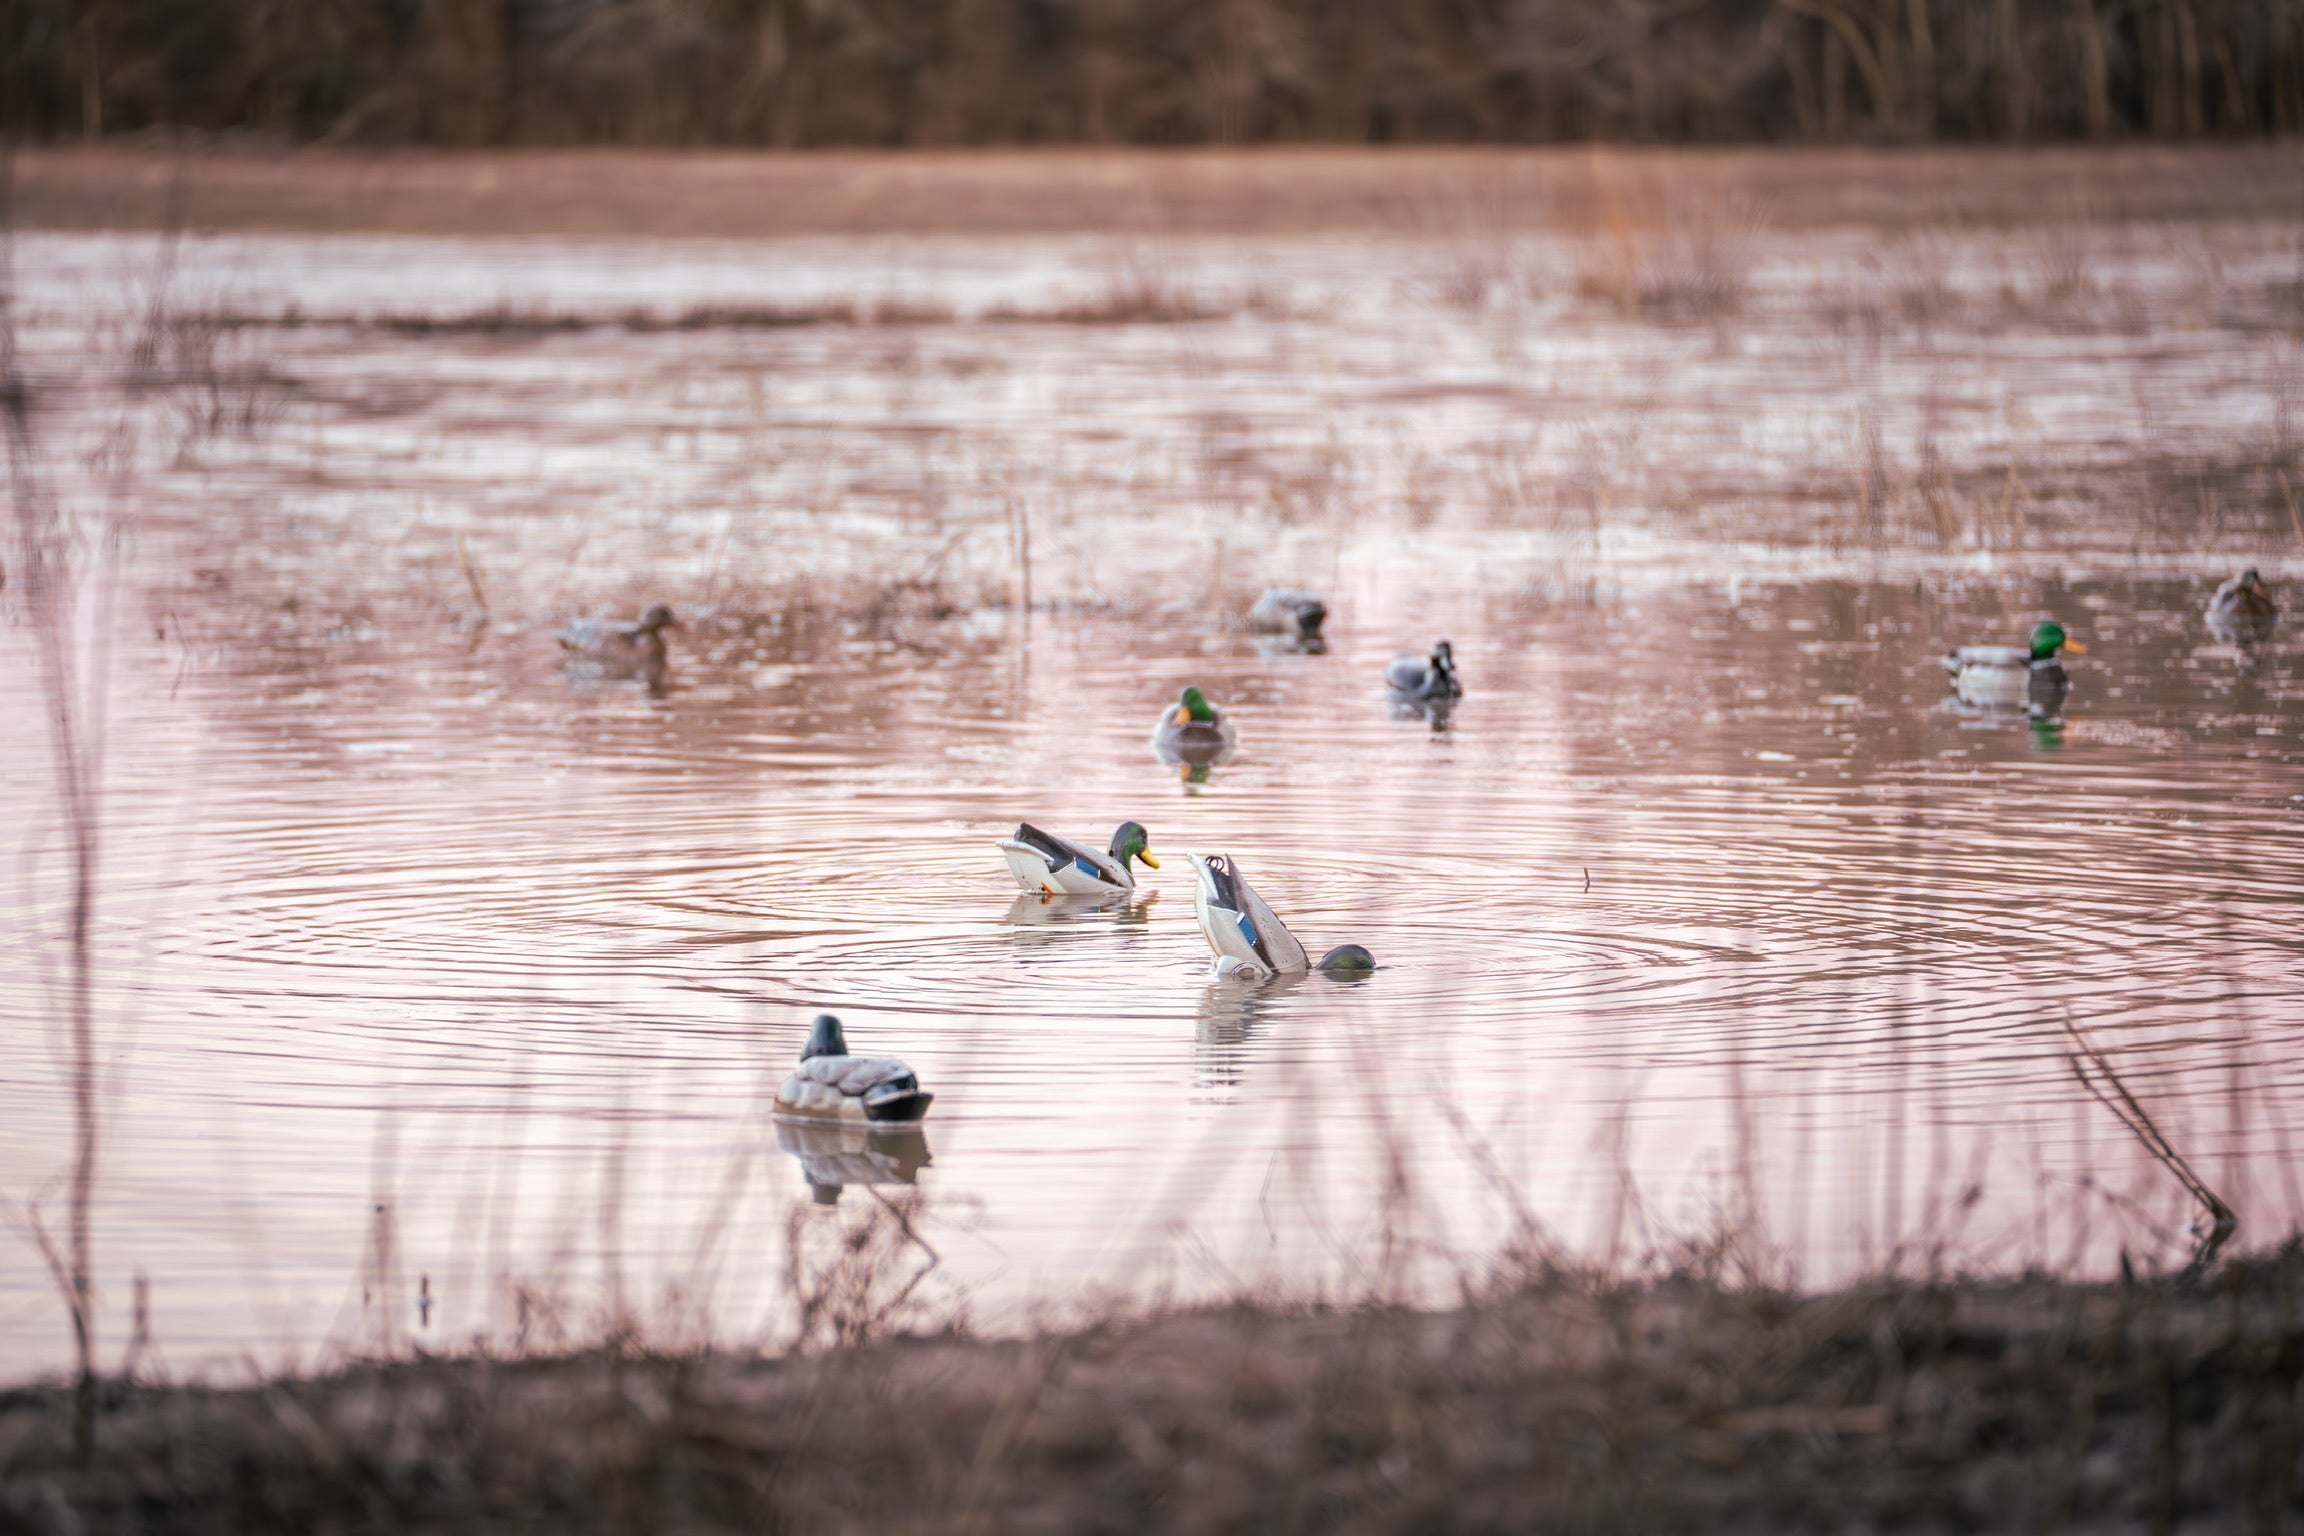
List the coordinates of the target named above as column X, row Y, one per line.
column 443, row 994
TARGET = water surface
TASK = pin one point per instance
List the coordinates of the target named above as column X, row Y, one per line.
column 1703, row 919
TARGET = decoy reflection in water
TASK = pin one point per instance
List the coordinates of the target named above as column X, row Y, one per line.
column 2242, row 611
column 614, row 648
column 1042, row 861
column 1429, row 679
column 831, row 1085
column 1226, row 1024
column 833, row 1156
column 1250, row 941
column 1041, row 910
column 1193, row 734
column 2014, row 677
column 1291, row 614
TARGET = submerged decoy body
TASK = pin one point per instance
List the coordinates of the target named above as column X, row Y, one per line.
column 614, row 646
column 1042, row 861
column 1427, row 678
column 1288, row 611
column 1193, row 732
column 1250, row 941
column 2014, row 676
column 2242, row 610
column 831, row 1085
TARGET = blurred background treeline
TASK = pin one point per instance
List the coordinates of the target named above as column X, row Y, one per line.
column 792, row 73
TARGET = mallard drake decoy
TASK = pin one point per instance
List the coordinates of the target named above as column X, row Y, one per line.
column 1433, row 677
column 615, row 646
column 1193, row 732
column 1288, row 611
column 1041, row 861
column 1250, row 941
column 2012, row 677
column 832, row 1085
column 2242, row 610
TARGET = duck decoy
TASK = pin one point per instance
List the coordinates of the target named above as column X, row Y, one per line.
column 1193, row 733
column 2242, row 610
column 1428, row 679
column 616, row 647
column 1290, row 611
column 1041, row 861
column 831, row 1085
column 1250, row 941
column 2012, row 677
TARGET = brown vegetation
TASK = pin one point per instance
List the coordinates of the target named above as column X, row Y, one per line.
column 947, row 72
column 1686, row 1403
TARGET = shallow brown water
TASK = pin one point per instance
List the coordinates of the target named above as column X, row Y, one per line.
column 1703, row 914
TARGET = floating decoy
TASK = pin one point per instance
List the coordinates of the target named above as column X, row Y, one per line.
column 1250, row 941
column 620, row 648
column 2242, row 610
column 1193, row 732
column 1288, row 611
column 831, row 1085
column 1426, row 679
column 1041, row 861
column 2012, row 677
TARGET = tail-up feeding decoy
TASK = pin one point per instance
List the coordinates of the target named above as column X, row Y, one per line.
column 1250, row 941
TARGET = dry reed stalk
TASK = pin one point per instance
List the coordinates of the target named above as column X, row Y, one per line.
column 2096, row 1075
column 45, row 578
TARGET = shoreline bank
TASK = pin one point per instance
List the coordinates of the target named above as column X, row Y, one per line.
column 1142, row 193
column 1682, row 1404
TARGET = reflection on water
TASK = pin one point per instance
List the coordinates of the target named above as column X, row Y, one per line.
column 833, row 1157
column 1047, row 910
column 1706, row 910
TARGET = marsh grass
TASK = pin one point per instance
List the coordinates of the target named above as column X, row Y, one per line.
column 1671, row 255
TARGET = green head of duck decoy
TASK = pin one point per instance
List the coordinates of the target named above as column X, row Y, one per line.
column 1347, row 960
column 1193, row 705
column 824, row 1039
column 2049, row 638
column 1131, row 841
column 658, row 617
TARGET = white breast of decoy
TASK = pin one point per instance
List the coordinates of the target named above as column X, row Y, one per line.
column 1041, row 861
column 1245, row 933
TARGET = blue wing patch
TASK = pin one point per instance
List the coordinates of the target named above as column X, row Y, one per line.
column 1249, row 929
column 1088, row 869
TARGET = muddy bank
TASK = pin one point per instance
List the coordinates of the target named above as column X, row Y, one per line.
column 1687, row 1404
column 735, row 195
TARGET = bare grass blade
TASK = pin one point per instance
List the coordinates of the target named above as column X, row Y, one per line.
column 2096, row 1074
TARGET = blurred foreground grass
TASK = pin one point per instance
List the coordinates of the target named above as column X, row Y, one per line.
column 1689, row 1402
